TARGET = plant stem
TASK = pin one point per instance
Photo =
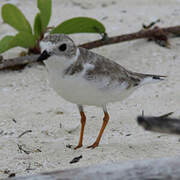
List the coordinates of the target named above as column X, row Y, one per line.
column 20, row 62
column 132, row 36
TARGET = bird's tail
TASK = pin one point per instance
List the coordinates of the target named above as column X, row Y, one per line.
column 148, row 78
column 151, row 78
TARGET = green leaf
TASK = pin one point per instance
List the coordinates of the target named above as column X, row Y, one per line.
column 79, row 25
column 45, row 12
column 37, row 26
column 23, row 39
column 4, row 43
column 14, row 17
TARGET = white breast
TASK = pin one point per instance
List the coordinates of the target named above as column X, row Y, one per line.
column 78, row 90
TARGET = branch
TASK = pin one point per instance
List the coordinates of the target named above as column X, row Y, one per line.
column 157, row 169
column 156, row 33
column 18, row 62
column 132, row 36
column 162, row 124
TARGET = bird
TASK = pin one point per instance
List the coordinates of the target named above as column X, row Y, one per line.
column 83, row 77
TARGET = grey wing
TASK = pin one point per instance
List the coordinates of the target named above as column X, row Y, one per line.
column 108, row 74
column 105, row 73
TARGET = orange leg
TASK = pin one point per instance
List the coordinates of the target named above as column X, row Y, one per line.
column 83, row 122
column 105, row 121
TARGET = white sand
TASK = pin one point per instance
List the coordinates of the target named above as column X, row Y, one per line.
column 26, row 96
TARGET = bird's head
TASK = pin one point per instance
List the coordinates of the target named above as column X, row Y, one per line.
column 57, row 46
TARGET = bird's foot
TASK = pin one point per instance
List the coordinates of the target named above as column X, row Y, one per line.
column 78, row 146
column 93, row 145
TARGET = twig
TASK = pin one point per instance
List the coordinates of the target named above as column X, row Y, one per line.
column 132, row 36
column 20, row 147
column 20, row 62
column 162, row 124
column 25, row 132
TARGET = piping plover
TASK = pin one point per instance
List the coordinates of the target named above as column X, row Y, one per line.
column 86, row 78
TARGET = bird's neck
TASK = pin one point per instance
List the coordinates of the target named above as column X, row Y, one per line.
column 59, row 64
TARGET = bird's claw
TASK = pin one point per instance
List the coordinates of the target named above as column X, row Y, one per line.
column 94, row 145
column 78, row 146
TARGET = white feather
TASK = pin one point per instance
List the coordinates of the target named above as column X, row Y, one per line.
column 87, row 67
column 148, row 80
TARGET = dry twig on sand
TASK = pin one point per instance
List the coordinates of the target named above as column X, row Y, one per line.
column 25, row 132
column 157, row 34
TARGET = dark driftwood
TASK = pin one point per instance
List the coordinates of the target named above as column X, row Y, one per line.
column 150, row 33
column 156, row 169
column 17, row 62
column 162, row 124
column 157, row 34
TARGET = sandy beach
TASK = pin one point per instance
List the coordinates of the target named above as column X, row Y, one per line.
column 27, row 102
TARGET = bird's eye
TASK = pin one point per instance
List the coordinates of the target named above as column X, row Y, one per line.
column 63, row 47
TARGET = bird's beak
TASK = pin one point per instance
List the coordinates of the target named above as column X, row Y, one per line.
column 44, row 55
